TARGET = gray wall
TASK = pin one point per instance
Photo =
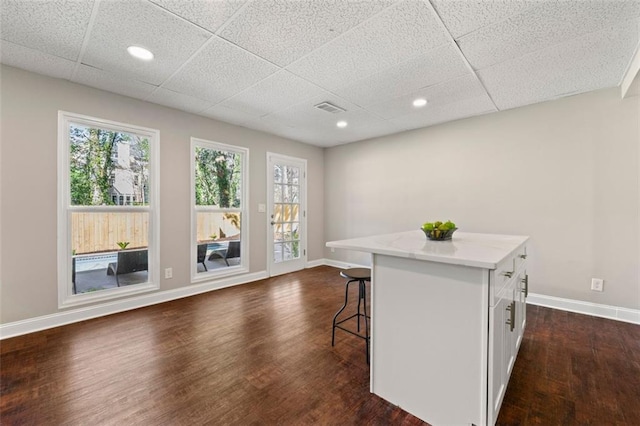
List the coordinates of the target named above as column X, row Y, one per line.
column 564, row 172
column 29, row 112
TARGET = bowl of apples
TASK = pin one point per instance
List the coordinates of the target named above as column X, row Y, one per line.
column 439, row 231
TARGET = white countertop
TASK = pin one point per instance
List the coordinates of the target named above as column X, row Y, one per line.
column 465, row 248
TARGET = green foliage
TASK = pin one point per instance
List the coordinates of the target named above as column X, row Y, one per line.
column 217, row 178
column 92, row 166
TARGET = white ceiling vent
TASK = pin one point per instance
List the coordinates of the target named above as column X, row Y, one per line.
column 329, row 107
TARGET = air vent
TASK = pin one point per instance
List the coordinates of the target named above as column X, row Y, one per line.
column 329, row 107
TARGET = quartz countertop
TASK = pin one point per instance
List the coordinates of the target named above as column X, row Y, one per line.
column 465, row 248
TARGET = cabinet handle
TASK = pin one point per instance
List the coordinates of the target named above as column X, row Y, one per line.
column 523, row 256
column 512, row 315
column 508, row 274
column 525, row 281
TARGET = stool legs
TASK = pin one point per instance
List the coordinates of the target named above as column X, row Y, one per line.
column 362, row 301
column 335, row 317
column 363, row 290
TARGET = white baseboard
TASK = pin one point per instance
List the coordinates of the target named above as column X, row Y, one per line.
column 314, row 263
column 44, row 322
column 587, row 308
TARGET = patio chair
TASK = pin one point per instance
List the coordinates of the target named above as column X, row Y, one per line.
column 202, row 255
column 129, row 261
column 232, row 251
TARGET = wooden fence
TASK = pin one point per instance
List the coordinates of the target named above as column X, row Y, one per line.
column 98, row 232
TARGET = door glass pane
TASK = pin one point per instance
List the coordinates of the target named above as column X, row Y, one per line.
column 286, row 230
column 286, row 251
column 295, row 210
column 277, row 193
column 277, row 213
column 295, row 249
column 286, row 216
column 277, row 232
column 292, row 175
column 277, row 173
column 291, row 194
column 277, row 253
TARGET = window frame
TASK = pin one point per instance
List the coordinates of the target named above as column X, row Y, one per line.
column 243, row 267
column 66, row 298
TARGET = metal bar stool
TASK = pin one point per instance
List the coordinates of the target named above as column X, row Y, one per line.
column 361, row 275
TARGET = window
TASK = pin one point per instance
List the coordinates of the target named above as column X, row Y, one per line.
column 219, row 199
column 107, row 242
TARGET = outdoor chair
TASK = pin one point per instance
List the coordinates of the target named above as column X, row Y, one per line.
column 232, row 251
column 129, row 261
column 202, row 254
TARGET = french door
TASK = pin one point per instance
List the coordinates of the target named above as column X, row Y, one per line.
column 286, row 192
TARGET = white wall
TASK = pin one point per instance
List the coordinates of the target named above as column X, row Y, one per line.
column 564, row 172
column 28, row 176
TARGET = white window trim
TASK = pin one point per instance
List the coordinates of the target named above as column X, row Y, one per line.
column 243, row 267
column 66, row 298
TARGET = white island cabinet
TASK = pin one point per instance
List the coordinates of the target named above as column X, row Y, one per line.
column 447, row 320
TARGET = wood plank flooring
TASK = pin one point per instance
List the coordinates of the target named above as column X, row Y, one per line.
column 261, row 354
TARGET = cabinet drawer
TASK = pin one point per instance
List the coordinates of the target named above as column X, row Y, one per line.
column 521, row 258
column 500, row 277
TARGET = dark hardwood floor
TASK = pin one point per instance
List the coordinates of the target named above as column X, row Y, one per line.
column 261, row 354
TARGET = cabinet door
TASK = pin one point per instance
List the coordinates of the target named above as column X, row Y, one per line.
column 511, row 326
column 521, row 302
column 499, row 352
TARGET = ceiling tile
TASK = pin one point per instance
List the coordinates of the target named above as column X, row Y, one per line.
column 402, row 32
column 362, row 125
column 56, row 27
column 178, row 100
column 205, row 13
column 219, row 71
column 591, row 62
column 274, row 93
column 35, row 61
column 456, row 90
column 120, row 24
column 464, row 16
column 112, row 83
column 306, row 114
column 446, row 112
column 230, row 115
column 436, row 66
column 313, row 125
column 542, row 27
column 282, row 31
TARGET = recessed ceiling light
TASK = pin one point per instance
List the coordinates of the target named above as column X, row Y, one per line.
column 140, row 53
column 341, row 124
column 419, row 103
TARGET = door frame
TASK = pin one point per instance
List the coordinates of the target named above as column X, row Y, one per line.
column 273, row 156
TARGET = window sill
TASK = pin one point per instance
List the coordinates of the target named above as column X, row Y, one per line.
column 213, row 275
column 106, row 295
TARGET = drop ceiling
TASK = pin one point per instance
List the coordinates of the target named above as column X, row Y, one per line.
column 265, row 64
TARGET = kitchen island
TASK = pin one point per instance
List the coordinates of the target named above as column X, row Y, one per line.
column 447, row 319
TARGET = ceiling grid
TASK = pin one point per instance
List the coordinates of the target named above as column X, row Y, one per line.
column 265, row 64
